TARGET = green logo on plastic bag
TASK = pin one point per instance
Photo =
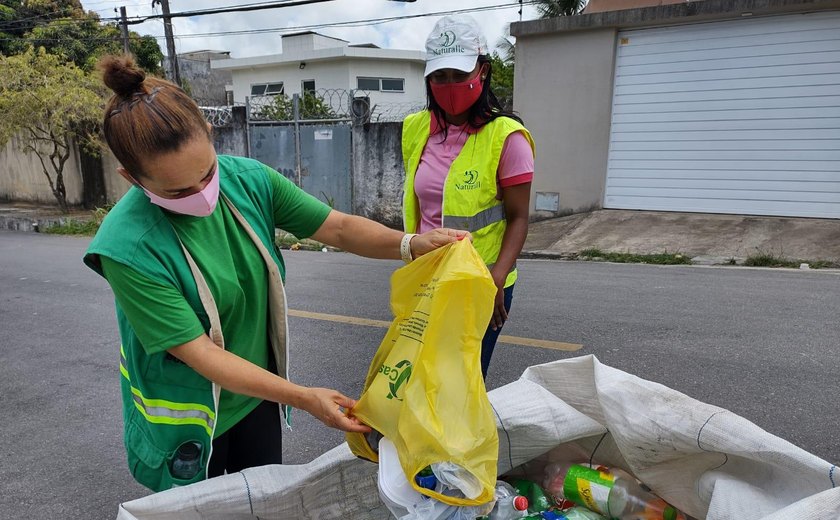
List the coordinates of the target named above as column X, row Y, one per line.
column 398, row 376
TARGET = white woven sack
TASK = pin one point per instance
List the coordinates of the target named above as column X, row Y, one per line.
column 703, row 459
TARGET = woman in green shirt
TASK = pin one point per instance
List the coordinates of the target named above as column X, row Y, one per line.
column 190, row 246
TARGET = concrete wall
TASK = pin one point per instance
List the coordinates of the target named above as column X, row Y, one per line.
column 22, row 176
column 563, row 91
column 327, row 75
column 205, row 85
column 378, row 172
column 599, row 6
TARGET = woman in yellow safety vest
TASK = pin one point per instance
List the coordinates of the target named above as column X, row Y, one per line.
column 468, row 162
column 189, row 252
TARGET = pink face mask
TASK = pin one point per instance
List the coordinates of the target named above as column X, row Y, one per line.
column 457, row 98
column 200, row 204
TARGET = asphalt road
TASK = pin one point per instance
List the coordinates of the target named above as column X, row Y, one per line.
column 762, row 343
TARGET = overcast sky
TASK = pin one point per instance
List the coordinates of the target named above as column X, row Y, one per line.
column 195, row 33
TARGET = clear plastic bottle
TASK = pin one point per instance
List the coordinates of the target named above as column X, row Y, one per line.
column 610, row 492
column 509, row 503
column 187, row 461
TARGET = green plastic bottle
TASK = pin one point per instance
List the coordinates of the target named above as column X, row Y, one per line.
column 537, row 499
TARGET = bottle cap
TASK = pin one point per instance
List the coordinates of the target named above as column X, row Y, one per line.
column 520, row 503
column 188, row 451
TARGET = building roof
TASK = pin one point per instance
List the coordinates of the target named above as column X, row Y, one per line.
column 309, row 56
column 684, row 12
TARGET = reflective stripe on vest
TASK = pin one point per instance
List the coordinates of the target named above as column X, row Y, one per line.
column 479, row 221
column 161, row 411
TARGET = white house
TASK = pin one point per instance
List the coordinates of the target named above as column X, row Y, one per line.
column 313, row 62
column 704, row 106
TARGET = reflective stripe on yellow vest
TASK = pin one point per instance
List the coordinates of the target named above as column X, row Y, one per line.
column 469, row 193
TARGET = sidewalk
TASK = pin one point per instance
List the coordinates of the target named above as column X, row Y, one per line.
column 706, row 238
column 21, row 216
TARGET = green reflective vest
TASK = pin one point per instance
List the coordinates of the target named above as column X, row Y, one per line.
column 165, row 402
column 469, row 192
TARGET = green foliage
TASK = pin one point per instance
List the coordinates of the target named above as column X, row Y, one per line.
column 65, row 29
column 281, row 108
column 553, row 8
column 86, row 227
column 665, row 258
column 51, row 105
column 501, row 82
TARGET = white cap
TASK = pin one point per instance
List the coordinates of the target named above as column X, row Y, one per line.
column 455, row 43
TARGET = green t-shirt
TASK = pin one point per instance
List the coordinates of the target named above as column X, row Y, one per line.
column 236, row 275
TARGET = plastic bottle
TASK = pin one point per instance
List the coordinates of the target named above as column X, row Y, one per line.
column 509, row 504
column 537, row 500
column 426, row 478
column 610, row 492
column 574, row 513
column 187, row 461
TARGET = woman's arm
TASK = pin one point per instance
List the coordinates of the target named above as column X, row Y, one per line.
column 517, row 201
column 365, row 237
column 241, row 376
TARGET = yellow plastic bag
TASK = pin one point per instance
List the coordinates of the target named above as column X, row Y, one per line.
column 424, row 389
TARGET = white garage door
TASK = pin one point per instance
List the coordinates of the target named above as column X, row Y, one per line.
column 741, row 116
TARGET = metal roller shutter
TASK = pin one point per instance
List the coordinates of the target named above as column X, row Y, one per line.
column 741, row 116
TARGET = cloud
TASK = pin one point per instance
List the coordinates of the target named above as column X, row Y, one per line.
column 204, row 32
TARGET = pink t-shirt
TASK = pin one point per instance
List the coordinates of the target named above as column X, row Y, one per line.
column 516, row 166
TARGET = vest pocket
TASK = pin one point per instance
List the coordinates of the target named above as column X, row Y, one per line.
column 150, row 462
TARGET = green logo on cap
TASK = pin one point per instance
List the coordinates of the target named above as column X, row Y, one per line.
column 448, row 38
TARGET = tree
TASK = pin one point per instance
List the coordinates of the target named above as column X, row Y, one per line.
column 501, row 82
column 65, row 29
column 51, row 104
column 281, row 108
column 553, row 8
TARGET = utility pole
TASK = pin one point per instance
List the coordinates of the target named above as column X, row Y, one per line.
column 170, row 41
column 124, row 29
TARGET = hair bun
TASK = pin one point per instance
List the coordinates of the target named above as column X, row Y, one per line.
column 121, row 74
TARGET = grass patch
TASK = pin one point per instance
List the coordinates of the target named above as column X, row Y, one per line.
column 84, row 227
column 665, row 258
column 764, row 259
column 291, row 242
column 73, row 227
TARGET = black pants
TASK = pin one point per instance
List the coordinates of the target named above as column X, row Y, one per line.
column 256, row 440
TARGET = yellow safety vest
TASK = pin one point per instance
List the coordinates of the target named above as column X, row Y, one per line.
column 469, row 192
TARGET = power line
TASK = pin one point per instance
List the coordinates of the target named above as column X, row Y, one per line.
column 355, row 23
column 350, row 23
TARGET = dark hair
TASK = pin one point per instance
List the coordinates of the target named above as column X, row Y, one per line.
column 145, row 116
column 486, row 109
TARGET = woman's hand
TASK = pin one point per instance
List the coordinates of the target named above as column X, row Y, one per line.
column 431, row 240
column 326, row 405
column 500, row 315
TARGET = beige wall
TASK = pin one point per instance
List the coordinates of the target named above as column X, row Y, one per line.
column 115, row 185
column 22, row 177
column 563, row 91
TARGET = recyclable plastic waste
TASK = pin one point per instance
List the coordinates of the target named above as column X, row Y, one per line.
column 608, row 491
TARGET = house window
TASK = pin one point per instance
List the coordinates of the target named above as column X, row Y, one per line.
column 381, row 84
column 307, row 85
column 266, row 89
column 393, row 85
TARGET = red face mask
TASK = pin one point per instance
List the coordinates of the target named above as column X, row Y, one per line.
column 457, row 98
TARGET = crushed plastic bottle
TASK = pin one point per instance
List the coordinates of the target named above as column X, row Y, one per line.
column 610, row 492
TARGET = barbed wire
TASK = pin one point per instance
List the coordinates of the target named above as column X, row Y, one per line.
column 329, row 104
